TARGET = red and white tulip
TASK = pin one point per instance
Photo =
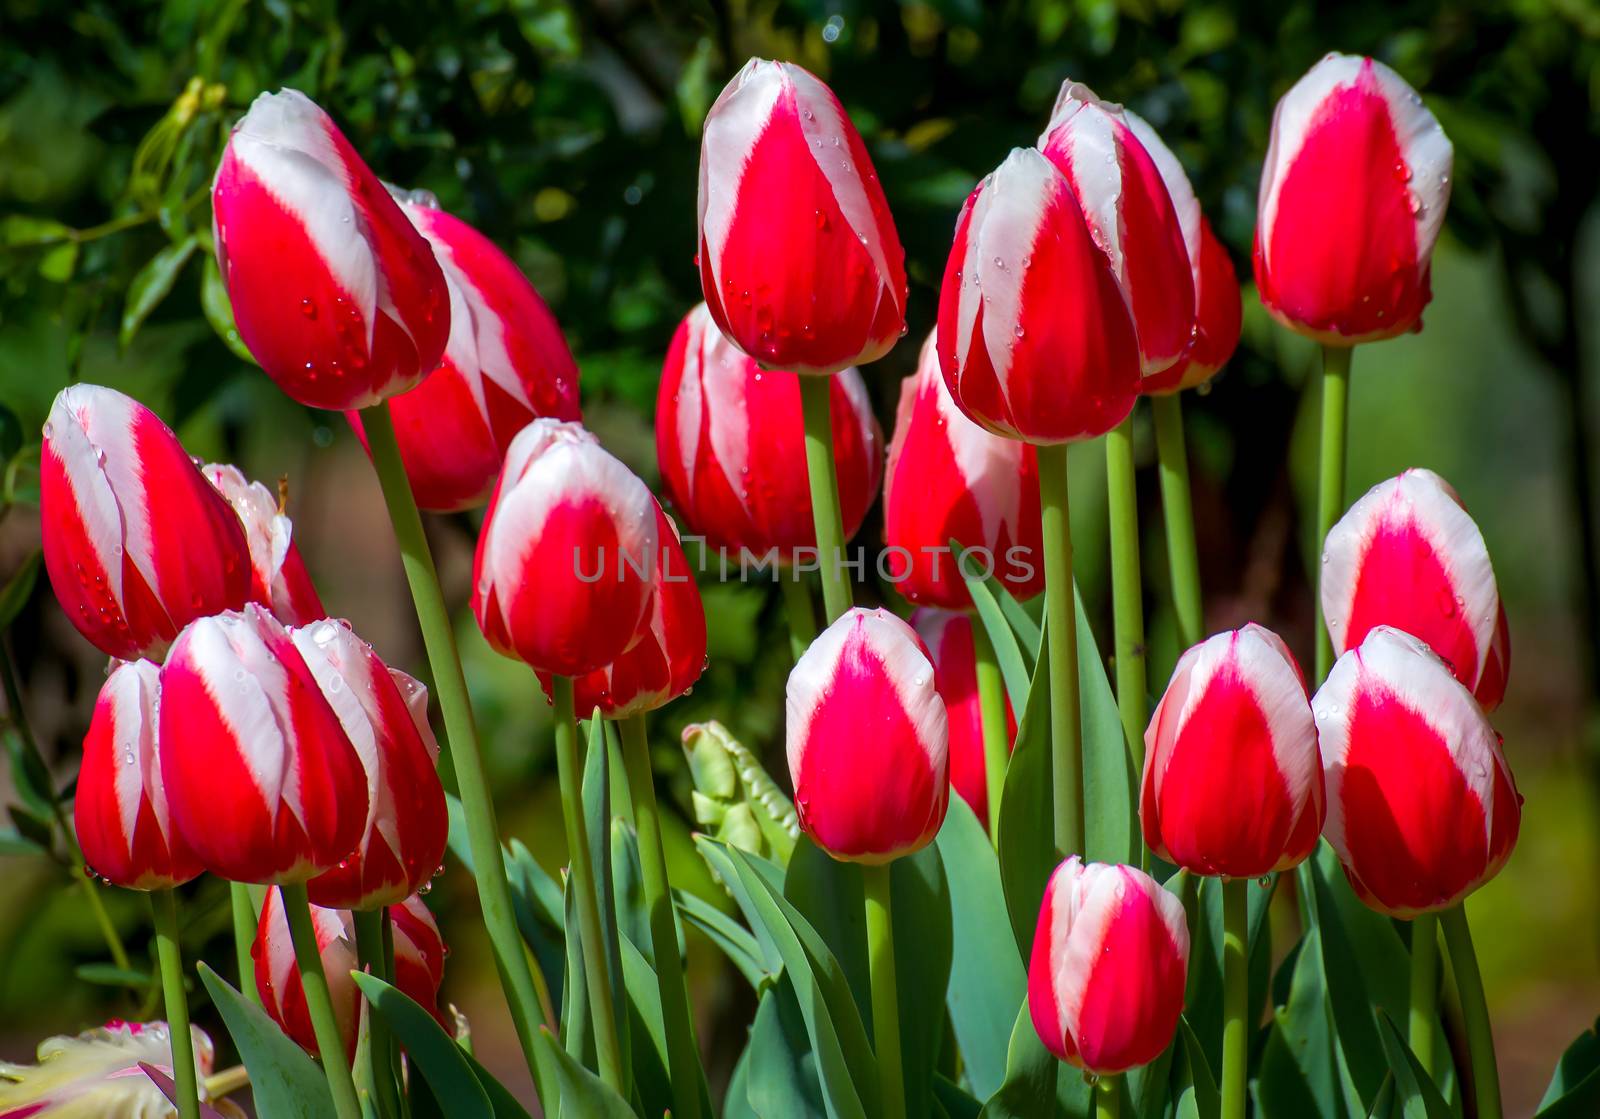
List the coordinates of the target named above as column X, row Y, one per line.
column 1232, row 777
column 334, row 292
column 279, row 580
column 1109, row 962
column 261, row 779
column 506, row 363
column 867, row 739
column 120, row 808
column 561, row 577
column 1035, row 338
column 1352, row 198
column 1408, row 555
column 136, row 542
column 1422, row 807
column 799, row 259
column 947, row 634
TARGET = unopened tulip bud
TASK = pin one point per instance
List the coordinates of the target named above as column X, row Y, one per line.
column 1352, row 198
column 136, row 542
column 799, row 259
column 867, row 739
column 1232, row 778
column 279, row 578
column 1408, row 555
column 1422, row 807
column 948, row 637
column 1109, row 963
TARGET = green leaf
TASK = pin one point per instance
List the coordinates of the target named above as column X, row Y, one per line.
column 1027, row 839
column 829, row 894
column 719, row 858
column 954, row 1102
column 1029, row 1089
column 17, row 230
column 1197, row 1093
column 1297, row 1075
column 987, row 977
column 219, row 311
column 285, row 1083
column 923, row 945
column 651, row 1083
column 59, row 262
column 782, row 1081
column 583, row 1095
column 152, row 283
column 432, row 1051
column 19, row 588
column 1111, row 828
column 1412, row 1083
column 1579, row 1065
column 733, row 939
column 110, row 975
column 13, row 842
column 1013, row 668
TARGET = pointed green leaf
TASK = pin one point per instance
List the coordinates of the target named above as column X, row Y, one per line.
column 432, row 1051
column 583, row 1095
column 1578, row 1066
column 1029, row 1090
column 152, row 283
column 1413, row 1085
column 1013, row 668
column 1027, row 842
column 1111, row 827
column 920, row 906
column 733, row 939
column 285, row 1083
column 782, row 1080
column 219, row 310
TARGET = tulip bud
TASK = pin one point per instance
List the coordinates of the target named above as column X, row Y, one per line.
column 419, row 953
column 867, row 739
column 1422, row 807
column 1110, row 959
column 561, row 578
column 384, row 713
column 120, row 811
column 333, row 291
column 262, row 781
column 1232, row 778
column 949, row 479
column 506, row 363
column 136, row 543
column 1035, row 338
column 279, row 578
column 1352, row 197
column 1408, row 555
column 799, row 259
column 730, row 439
column 1130, row 216
column 1216, row 287
column 948, row 638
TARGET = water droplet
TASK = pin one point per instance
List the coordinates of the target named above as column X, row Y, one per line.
column 308, row 308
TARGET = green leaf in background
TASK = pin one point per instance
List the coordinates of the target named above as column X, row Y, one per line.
column 734, row 940
column 19, row 588
column 1195, row 1086
column 782, row 1081
column 1026, row 842
column 583, row 1094
column 285, row 1083
column 110, row 975
column 719, row 858
column 218, row 310
column 433, row 1053
column 1013, row 668
column 1412, row 1083
column 151, row 284
column 1575, row 1086
column 920, row 902
column 1029, row 1089
column 952, row 1102
column 1111, row 824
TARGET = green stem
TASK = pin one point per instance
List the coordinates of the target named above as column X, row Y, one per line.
column 877, row 884
column 369, row 925
column 461, row 736
column 1177, row 507
column 1475, row 1009
column 591, row 942
column 683, row 1054
column 816, row 402
column 1108, row 1097
column 164, row 915
column 396, row 1063
column 798, row 606
column 1126, row 588
column 1061, row 628
column 1235, row 995
column 992, row 713
column 1424, row 1010
column 319, row 1005
column 245, row 920
column 1330, row 474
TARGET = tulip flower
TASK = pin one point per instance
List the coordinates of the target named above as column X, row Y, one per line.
column 867, row 739
column 1110, row 959
column 334, row 292
column 949, row 479
column 1130, row 215
column 799, row 259
column 99, row 1074
column 419, row 953
column 506, row 363
column 1422, row 807
column 279, row 578
column 384, row 713
column 121, row 814
column 561, row 579
column 1035, row 339
column 948, row 636
column 731, row 445
column 1352, row 198
column 1408, row 555
column 261, row 779
column 1232, row 778
column 136, row 543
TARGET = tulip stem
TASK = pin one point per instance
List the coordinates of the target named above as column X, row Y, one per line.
column 1424, row 1009
column 370, row 928
column 591, row 942
column 461, row 736
column 992, row 716
column 245, row 920
column 1183, row 555
column 683, row 1054
column 798, row 606
column 877, row 882
column 1330, row 475
column 1235, row 994
column 1122, row 495
column 1108, row 1097
column 816, row 402
column 1061, row 628
column 164, row 916
column 1474, row 1008
column 319, row 1004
